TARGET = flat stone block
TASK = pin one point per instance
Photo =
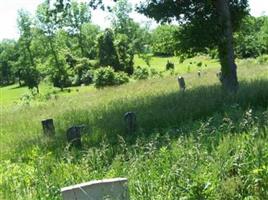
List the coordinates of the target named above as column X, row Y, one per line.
column 107, row 189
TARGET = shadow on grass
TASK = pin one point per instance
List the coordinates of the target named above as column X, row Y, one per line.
column 174, row 110
column 203, row 109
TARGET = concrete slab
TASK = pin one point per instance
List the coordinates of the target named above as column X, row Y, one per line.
column 107, row 189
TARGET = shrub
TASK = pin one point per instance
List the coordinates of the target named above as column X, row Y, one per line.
column 262, row 59
column 104, row 76
column 141, row 73
column 87, row 77
column 199, row 64
column 213, row 53
column 107, row 77
column 169, row 65
column 32, row 78
column 121, row 78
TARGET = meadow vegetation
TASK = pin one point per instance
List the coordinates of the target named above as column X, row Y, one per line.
column 207, row 142
column 201, row 144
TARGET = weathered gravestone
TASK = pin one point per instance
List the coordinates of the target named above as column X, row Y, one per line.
column 112, row 189
column 74, row 134
column 130, row 119
column 181, row 83
column 48, row 127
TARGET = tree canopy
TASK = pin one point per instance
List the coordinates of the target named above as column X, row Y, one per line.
column 204, row 24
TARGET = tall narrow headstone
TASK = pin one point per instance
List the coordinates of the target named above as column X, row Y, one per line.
column 130, row 119
column 181, row 83
column 98, row 190
column 48, row 127
column 74, row 134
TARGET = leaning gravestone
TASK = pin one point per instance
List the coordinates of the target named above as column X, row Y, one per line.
column 48, row 127
column 181, row 83
column 112, row 189
column 74, row 134
column 130, row 122
column 199, row 73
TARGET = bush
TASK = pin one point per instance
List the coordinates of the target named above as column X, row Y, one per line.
column 169, row 65
column 213, row 53
column 107, row 77
column 32, row 78
column 121, row 78
column 141, row 73
column 199, row 64
column 262, row 59
column 87, row 77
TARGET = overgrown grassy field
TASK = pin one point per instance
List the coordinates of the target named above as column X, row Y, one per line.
column 200, row 144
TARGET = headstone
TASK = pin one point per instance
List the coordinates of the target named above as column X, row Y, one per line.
column 98, row 190
column 182, row 83
column 48, row 127
column 74, row 134
column 130, row 122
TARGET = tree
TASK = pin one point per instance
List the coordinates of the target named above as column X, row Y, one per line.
column 164, row 40
column 204, row 24
column 9, row 55
column 125, row 53
column 122, row 23
column 78, row 15
column 89, row 32
column 24, row 22
column 106, row 50
column 250, row 40
column 50, row 18
column 27, row 68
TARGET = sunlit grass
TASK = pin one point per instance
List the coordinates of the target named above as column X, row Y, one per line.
column 201, row 144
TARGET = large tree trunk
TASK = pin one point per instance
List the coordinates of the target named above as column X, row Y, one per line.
column 225, row 47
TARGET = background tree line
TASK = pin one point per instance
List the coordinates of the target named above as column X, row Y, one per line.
column 61, row 44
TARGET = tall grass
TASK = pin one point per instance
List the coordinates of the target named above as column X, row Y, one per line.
column 200, row 144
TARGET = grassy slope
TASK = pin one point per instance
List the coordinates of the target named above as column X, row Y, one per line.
column 209, row 163
column 11, row 95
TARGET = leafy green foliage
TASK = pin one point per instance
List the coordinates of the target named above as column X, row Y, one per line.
column 250, row 40
column 164, row 40
column 107, row 53
column 141, row 73
column 89, row 32
column 262, row 59
column 199, row 20
column 78, row 15
column 106, row 76
column 31, row 77
column 125, row 53
column 8, row 58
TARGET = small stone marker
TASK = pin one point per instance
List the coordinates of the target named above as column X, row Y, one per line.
column 130, row 122
column 74, row 134
column 115, row 189
column 181, row 83
column 48, row 127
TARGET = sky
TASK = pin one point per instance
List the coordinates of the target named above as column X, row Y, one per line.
column 9, row 9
